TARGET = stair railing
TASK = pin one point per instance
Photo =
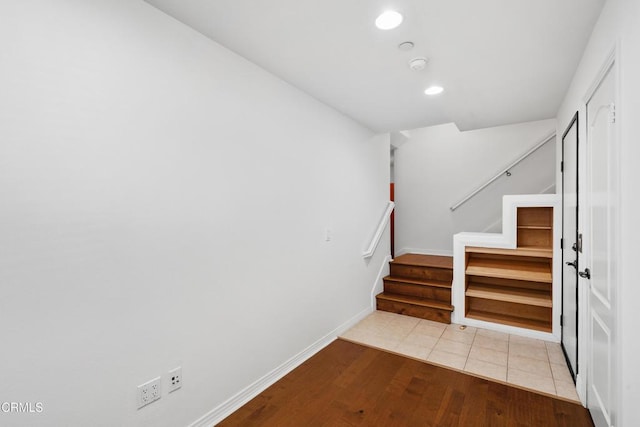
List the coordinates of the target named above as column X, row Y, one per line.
column 505, row 171
column 382, row 224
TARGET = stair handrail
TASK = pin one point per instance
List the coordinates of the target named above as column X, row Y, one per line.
column 503, row 171
column 382, row 224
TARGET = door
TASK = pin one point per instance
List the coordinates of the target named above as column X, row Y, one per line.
column 569, row 245
column 600, row 248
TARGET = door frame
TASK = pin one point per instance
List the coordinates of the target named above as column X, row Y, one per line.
column 574, row 122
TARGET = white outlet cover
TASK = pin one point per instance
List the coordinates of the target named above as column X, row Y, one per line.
column 149, row 392
column 175, row 379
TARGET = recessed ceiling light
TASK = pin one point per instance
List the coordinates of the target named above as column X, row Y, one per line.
column 388, row 20
column 433, row 90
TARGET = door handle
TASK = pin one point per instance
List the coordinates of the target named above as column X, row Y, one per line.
column 574, row 247
column 586, row 274
column 572, row 264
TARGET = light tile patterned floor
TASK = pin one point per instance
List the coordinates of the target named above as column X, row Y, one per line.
column 512, row 359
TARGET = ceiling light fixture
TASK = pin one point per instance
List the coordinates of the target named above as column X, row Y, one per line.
column 388, row 20
column 434, row 90
column 405, row 46
column 418, row 64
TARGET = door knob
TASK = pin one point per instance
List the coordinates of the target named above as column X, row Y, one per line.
column 586, row 274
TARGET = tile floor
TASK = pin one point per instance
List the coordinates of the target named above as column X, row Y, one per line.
column 512, row 359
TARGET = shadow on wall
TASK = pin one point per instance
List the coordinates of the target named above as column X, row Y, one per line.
column 483, row 212
column 439, row 166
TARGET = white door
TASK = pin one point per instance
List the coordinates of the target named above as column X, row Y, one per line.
column 600, row 243
column 569, row 245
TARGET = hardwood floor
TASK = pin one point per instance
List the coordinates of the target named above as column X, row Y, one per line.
column 347, row 384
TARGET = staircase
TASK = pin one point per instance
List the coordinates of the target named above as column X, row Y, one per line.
column 419, row 286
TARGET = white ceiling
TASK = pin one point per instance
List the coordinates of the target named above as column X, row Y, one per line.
column 500, row 61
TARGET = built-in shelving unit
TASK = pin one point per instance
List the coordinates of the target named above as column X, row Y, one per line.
column 514, row 286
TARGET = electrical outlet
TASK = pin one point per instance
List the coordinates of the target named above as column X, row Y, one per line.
column 149, row 392
column 175, row 379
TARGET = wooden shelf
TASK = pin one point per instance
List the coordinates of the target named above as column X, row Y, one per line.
column 514, row 286
column 548, row 250
column 521, row 251
column 535, row 216
column 510, row 320
column 535, row 237
column 510, row 269
column 535, row 227
column 509, row 294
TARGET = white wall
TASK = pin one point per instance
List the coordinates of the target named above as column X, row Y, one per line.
column 440, row 165
column 619, row 23
column 163, row 202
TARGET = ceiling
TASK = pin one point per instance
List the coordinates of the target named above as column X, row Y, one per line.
column 499, row 61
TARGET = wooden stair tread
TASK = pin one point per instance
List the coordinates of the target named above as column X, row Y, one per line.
column 509, row 320
column 521, row 251
column 418, row 286
column 509, row 294
column 518, row 270
column 415, row 301
column 436, row 261
column 432, row 283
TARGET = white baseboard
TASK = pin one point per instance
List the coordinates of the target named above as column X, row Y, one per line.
column 421, row 251
column 506, row 329
column 235, row 402
column 581, row 388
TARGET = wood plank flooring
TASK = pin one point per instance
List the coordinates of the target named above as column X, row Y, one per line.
column 347, row 384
